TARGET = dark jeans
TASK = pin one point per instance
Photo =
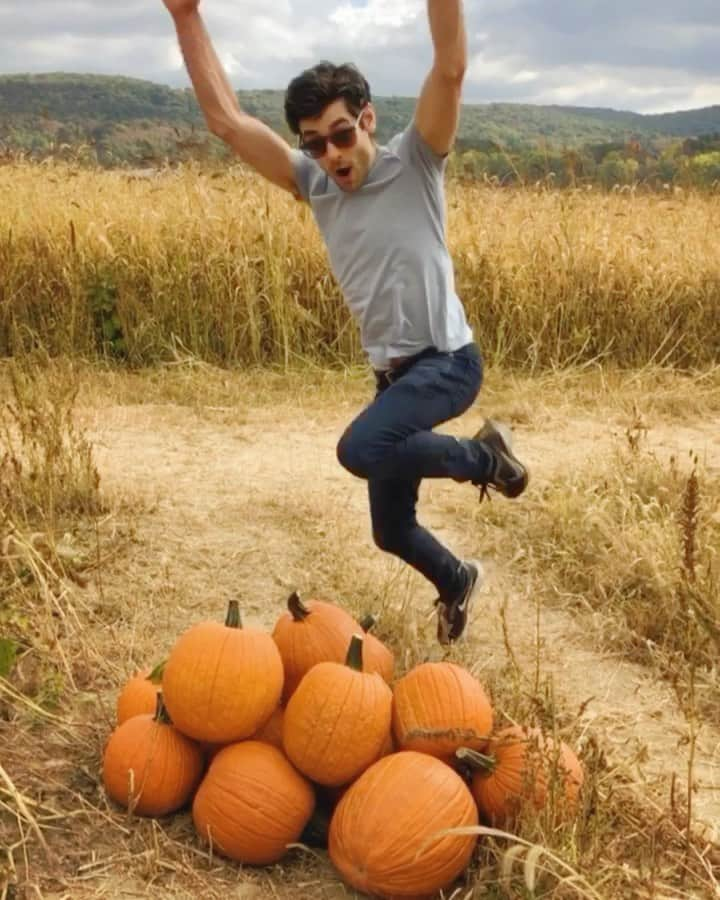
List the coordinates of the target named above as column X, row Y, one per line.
column 392, row 445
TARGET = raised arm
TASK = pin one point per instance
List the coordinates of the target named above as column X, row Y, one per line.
column 254, row 142
column 438, row 109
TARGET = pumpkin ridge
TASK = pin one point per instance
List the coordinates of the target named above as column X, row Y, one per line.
column 412, row 699
column 349, row 684
column 254, row 805
column 241, row 824
column 162, row 742
column 404, row 876
column 195, row 674
column 459, row 677
column 140, row 776
column 510, row 779
column 403, row 834
column 364, row 725
column 311, row 733
column 444, row 696
column 179, row 772
column 384, row 862
column 254, row 677
column 364, row 683
column 409, row 834
column 460, row 692
column 218, row 666
column 407, row 878
column 376, row 691
column 421, row 702
column 527, row 760
column 238, row 824
column 259, row 787
column 155, row 738
column 163, row 735
column 355, row 683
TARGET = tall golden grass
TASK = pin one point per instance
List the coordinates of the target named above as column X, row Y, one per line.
column 234, row 271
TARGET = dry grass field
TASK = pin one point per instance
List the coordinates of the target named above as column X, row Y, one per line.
column 229, row 269
column 146, row 483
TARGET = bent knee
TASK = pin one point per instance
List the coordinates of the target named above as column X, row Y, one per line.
column 352, row 455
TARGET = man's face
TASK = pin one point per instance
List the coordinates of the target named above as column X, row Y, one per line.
column 349, row 164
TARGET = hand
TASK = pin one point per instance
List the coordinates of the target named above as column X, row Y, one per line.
column 181, row 7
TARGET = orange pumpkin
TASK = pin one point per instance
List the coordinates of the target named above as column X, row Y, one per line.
column 377, row 657
column 139, row 694
column 523, row 767
column 252, row 803
column 272, row 731
column 385, row 831
column 149, row 766
column 338, row 719
column 222, row 682
column 438, row 707
column 310, row 633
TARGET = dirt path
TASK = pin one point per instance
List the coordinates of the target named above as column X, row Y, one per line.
column 252, row 503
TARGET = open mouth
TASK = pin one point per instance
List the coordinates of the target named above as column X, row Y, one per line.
column 343, row 171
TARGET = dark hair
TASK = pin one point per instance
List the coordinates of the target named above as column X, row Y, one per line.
column 315, row 89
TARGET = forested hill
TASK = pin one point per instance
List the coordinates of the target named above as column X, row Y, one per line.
column 118, row 121
column 30, row 102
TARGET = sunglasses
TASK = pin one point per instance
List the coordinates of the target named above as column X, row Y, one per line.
column 316, row 147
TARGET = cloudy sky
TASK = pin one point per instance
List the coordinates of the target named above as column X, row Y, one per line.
column 636, row 55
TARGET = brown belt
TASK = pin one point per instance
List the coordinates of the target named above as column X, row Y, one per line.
column 399, row 364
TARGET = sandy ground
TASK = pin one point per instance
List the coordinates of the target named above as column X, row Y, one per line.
column 248, row 501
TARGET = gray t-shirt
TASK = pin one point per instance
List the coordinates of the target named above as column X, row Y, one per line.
column 387, row 248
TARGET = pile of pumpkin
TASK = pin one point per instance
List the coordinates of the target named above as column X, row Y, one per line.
column 269, row 735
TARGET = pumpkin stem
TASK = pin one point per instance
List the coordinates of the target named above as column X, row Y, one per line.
column 354, row 655
column 297, row 608
column 157, row 673
column 233, row 619
column 161, row 713
column 476, row 761
column 368, row 622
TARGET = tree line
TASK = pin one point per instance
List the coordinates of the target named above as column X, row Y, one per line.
column 688, row 163
column 123, row 122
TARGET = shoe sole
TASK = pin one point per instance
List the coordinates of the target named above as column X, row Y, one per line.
column 472, row 596
column 479, row 581
column 493, row 429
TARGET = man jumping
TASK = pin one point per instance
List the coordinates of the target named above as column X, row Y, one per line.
column 381, row 211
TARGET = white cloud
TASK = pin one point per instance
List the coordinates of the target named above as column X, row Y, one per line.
column 119, row 53
column 484, row 67
column 376, row 15
column 524, row 75
column 266, row 40
column 647, row 55
column 706, row 94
